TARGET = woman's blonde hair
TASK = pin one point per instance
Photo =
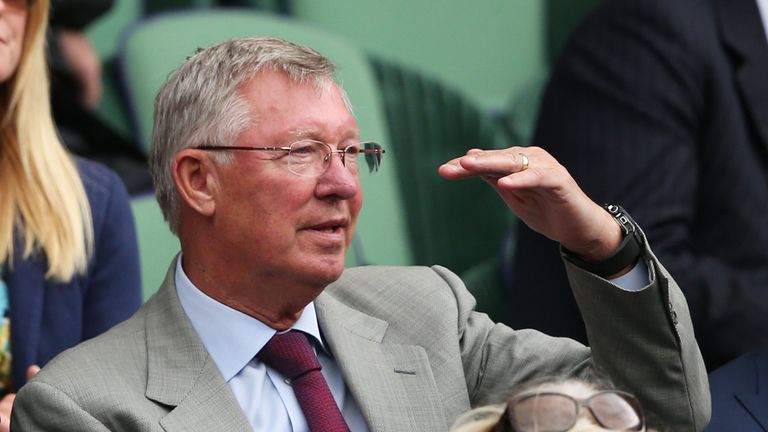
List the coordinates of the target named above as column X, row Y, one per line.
column 42, row 198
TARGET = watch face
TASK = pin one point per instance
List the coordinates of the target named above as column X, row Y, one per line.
column 622, row 217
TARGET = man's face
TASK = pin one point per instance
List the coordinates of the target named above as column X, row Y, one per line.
column 281, row 226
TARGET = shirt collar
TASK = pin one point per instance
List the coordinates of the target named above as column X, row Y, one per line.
column 231, row 337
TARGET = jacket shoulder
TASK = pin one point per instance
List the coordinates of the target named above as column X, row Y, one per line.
column 113, row 359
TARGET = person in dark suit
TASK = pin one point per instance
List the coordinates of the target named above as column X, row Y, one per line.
column 740, row 394
column 68, row 255
column 664, row 104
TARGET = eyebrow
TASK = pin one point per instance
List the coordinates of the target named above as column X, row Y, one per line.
column 316, row 133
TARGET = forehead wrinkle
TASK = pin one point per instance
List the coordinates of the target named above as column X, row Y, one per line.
column 312, row 133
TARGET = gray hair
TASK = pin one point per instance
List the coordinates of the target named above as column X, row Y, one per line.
column 201, row 102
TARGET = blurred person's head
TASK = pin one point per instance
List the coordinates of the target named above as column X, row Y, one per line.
column 42, row 200
column 558, row 406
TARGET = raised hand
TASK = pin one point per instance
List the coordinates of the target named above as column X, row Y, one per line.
column 542, row 194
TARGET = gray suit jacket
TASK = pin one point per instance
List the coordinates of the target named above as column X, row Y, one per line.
column 412, row 351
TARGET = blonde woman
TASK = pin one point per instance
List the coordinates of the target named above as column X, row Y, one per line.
column 68, row 256
column 558, row 406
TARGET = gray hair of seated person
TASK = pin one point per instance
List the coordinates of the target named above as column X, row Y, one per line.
column 201, row 103
column 485, row 418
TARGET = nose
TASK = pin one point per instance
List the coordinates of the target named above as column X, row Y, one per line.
column 337, row 181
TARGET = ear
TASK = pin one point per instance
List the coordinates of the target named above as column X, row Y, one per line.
column 196, row 178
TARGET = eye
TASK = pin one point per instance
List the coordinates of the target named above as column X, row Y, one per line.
column 306, row 149
column 351, row 152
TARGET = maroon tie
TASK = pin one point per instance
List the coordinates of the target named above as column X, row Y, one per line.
column 292, row 356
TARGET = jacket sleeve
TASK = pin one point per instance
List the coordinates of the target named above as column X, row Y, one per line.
column 46, row 408
column 642, row 340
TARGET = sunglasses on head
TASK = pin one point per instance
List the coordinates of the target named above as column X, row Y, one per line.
column 559, row 412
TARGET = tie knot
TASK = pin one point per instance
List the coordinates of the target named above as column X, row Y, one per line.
column 289, row 353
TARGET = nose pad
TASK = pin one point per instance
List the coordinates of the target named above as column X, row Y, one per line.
column 328, row 159
column 340, row 153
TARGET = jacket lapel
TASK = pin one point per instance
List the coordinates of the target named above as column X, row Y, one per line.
column 181, row 374
column 26, row 284
column 743, row 36
column 392, row 383
column 756, row 402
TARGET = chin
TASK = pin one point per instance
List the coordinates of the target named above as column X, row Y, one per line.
column 329, row 270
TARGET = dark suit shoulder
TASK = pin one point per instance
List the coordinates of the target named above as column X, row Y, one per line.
column 738, row 394
column 740, row 375
column 673, row 30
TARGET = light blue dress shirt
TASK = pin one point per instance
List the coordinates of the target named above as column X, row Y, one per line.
column 233, row 339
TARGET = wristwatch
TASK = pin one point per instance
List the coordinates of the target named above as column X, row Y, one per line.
column 627, row 254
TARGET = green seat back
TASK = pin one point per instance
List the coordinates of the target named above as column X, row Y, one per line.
column 157, row 245
column 104, row 34
column 159, row 45
column 154, row 6
column 457, row 224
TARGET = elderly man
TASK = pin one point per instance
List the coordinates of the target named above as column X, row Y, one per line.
column 259, row 327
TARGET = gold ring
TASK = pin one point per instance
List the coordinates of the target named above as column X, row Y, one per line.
column 526, row 162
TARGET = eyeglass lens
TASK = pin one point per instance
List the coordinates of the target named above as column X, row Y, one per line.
column 614, row 412
column 312, row 158
column 373, row 155
column 558, row 413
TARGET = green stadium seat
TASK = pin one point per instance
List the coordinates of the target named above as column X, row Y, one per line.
column 154, row 6
column 456, row 224
column 104, row 34
column 157, row 245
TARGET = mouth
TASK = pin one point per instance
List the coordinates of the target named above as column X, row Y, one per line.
column 330, row 226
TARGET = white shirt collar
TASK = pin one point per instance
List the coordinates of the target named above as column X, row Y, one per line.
column 231, row 337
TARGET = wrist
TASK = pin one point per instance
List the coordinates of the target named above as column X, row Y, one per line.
column 611, row 259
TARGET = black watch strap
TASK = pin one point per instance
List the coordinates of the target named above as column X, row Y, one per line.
column 627, row 254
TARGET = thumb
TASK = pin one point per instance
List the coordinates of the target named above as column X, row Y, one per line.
column 32, row 371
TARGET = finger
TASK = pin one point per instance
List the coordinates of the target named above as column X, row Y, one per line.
column 452, row 170
column 6, row 404
column 499, row 163
column 32, row 371
column 485, row 163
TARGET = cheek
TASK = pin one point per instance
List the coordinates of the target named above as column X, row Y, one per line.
column 355, row 204
column 281, row 206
